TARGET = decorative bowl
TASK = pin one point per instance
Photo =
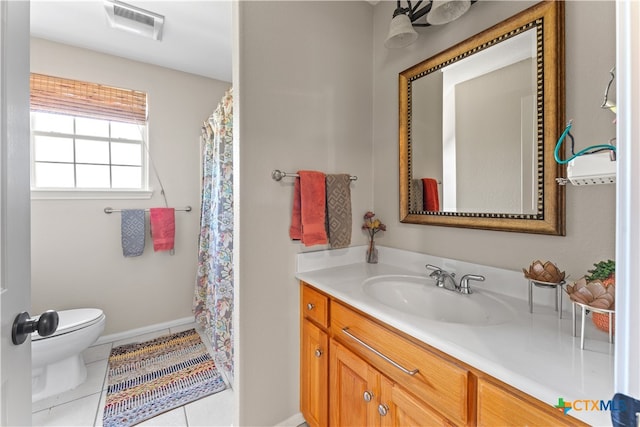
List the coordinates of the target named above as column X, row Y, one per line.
column 593, row 294
column 546, row 272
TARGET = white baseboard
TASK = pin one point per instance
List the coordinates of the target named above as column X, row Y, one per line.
column 292, row 421
column 144, row 330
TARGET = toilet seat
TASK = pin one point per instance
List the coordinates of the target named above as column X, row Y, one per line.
column 72, row 320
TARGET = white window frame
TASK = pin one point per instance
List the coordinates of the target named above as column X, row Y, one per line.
column 92, row 193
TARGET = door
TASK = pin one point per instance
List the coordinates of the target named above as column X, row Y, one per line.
column 355, row 389
column 15, row 361
column 401, row 409
column 314, row 375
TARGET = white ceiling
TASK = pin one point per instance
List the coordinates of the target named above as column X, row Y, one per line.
column 196, row 36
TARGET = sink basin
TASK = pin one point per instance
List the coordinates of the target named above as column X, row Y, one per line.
column 419, row 296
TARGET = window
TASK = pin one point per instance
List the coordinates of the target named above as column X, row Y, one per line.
column 87, row 137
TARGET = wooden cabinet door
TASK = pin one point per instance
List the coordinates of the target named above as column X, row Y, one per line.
column 314, row 375
column 355, row 389
column 401, row 409
column 499, row 405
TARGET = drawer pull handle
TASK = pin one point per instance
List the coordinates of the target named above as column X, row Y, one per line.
column 383, row 409
column 367, row 396
column 318, row 352
column 310, row 306
column 368, row 347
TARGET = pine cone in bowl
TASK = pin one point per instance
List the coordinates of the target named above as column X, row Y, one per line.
column 593, row 294
column 544, row 272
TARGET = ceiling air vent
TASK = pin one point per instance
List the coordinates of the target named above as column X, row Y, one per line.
column 134, row 19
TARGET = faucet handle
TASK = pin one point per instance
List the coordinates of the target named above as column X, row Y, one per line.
column 432, row 267
column 438, row 270
column 436, row 273
column 464, row 282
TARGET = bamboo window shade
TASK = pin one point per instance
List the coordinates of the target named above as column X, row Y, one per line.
column 64, row 96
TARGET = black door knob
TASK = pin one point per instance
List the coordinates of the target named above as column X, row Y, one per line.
column 46, row 324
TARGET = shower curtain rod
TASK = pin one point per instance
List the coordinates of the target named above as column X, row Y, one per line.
column 111, row 210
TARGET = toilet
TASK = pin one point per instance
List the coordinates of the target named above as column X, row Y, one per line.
column 57, row 364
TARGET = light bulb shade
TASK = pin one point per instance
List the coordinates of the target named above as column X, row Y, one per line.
column 445, row 11
column 401, row 32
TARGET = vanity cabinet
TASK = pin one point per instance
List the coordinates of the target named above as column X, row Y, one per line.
column 343, row 383
column 357, row 371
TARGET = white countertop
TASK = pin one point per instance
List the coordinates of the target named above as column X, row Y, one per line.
column 535, row 352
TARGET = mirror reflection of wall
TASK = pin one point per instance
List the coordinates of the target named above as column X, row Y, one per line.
column 475, row 112
column 497, row 111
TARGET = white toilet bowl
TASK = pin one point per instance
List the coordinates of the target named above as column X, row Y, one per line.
column 56, row 361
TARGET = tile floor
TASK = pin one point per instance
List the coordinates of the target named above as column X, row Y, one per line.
column 83, row 406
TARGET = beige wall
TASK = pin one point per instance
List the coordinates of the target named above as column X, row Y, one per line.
column 75, row 247
column 590, row 210
column 303, row 88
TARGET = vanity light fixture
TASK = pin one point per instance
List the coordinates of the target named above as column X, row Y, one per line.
column 422, row 14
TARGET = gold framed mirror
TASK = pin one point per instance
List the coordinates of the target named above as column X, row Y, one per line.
column 478, row 126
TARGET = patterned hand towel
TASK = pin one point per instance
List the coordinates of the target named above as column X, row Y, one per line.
column 417, row 195
column 163, row 228
column 132, row 231
column 339, row 210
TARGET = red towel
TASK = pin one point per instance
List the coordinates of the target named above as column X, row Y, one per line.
column 431, row 200
column 163, row 228
column 309, row 209
column 295, row 230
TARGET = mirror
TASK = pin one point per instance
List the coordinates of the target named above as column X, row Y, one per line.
column 478, row 126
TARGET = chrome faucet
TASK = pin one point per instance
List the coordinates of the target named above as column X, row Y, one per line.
column 447, row 280
column 444, row 279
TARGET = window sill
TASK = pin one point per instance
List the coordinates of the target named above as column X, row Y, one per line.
column 73, row 194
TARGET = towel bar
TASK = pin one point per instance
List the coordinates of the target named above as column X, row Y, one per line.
column 277, row 175
column 111, row 210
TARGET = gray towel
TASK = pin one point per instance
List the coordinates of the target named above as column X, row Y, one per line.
column 339, row 210
column 132, row 229
column 417, row 196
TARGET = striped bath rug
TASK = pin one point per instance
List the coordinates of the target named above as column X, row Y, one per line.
column 149, row 378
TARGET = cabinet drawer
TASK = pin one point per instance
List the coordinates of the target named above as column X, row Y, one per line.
column 314, row 306
column 503, row 405
column 438, row 382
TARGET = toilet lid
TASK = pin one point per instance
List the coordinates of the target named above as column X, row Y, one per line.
column 72, row 320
